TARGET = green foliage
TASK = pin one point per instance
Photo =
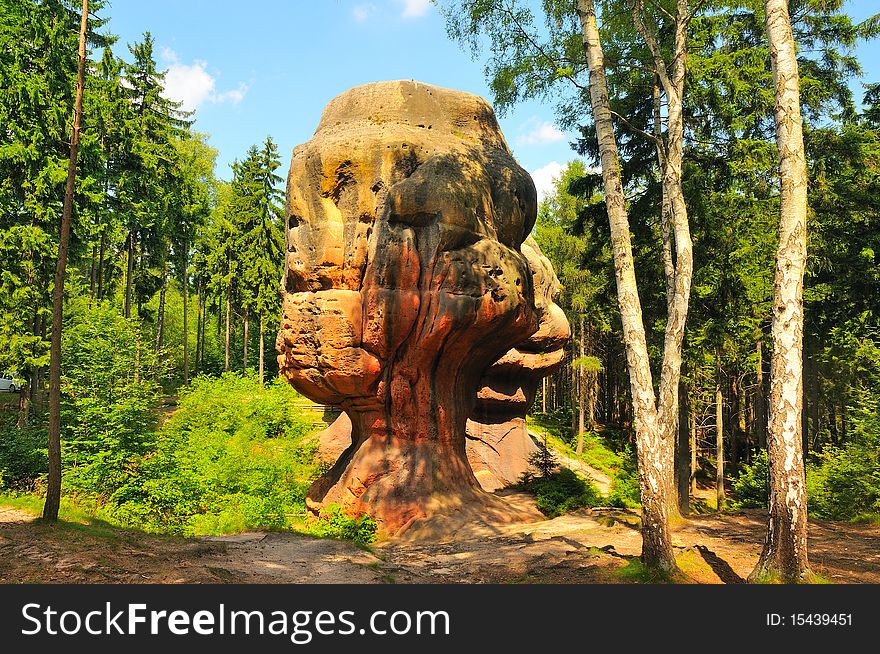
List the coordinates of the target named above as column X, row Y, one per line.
column 23, row 459
column 751, row 488
column 108, row 400
column 625, row 491
column 845, row 485
column 231, row 457
column 560, row 492
column 544, row 461
column 597, row 451
column 333, row 522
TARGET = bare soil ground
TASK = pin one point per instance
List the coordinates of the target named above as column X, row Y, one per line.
column 589, row 546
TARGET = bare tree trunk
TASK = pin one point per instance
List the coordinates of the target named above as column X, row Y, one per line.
column 676, row 236
column 656, row 540
column 262, row 344
column 102, row 251
column 92, row 276
column 741, row 432
column 544, row 395
column 785, row 551
column 160, row 318
column 200, row 325
column 53, row 485
column 760, row 404
column 24, row 405
column 719, row 447
column 581, row 426
column 682, row 455
column 185, row 281
column 228, row 316
column 129, row 274
column 245, row 341
column 692, row 424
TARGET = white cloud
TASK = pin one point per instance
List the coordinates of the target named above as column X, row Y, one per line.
column 415, row 8
column 362, row 12
column 545, row 177
column 540, row 133
column 193, row 85
column 233, row 96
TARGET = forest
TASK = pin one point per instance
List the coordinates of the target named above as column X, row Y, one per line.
column 172, row 418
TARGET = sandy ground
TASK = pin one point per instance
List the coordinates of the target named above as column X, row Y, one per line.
column 589, row 546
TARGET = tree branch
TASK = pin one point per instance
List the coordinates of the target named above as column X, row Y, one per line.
column 528, row 37
column 629, row 125
column 653, row 46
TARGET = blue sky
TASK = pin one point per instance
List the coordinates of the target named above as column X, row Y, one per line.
column 269, row 67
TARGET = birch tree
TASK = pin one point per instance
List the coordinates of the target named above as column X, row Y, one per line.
column 785, row 551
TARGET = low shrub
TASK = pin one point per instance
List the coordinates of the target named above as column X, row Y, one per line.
column 625, row 492
column 751, row 487
column 23, row 458
column 560, row 492
column 333, row 522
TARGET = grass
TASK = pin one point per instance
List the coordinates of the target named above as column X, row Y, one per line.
column 636, row 572
column 72, row 517
column 596, row 452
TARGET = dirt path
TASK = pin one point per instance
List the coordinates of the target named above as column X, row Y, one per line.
column 34, row 552
column 591, row 546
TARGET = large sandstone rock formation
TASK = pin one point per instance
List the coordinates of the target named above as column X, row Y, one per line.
column 404, row 282
column 498, row 443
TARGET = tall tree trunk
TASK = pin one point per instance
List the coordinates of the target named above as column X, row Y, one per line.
column 682, row 454
column 741, row 432
column 53, row 485
column 200, row 324
column 760, row 403
column 228, row 316
column 785, row 552
column 92, row 276
column 160, row 315
column 581, row 393
column 185, row 281
column 676, row 231
column 245, row 342
column 719, row 447
column 544, row 395
column 262, row 344
column 692, row 426
column 24, row 405
column 656, row 540
column 129, row 273
column 102, row 251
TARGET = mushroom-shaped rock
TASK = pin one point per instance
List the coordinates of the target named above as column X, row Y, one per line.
column 498, row 442
column 404, row 281
column 499, row 445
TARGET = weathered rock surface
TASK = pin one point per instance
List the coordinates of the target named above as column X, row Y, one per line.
column 404, row 282
column 498, row 444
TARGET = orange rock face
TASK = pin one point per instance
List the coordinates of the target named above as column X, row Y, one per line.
column 498, row 442
column 404, row 282
column 498, row 445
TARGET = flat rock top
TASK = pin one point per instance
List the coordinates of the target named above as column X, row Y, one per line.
column 413, row 104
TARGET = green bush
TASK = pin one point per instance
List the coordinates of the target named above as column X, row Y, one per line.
column 23, row 458
column 108, row 401
column 751, row 488
column 333, row 522
column 625, row 492
column 560, row 492
column 846, row 483
column 231, row 458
